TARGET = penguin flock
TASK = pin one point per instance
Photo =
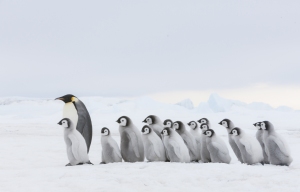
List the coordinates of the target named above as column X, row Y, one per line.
column 169, row 141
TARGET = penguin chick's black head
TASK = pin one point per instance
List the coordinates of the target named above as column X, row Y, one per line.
column 266, row 125
column 124, row 121
column 178, row 126
column 146, row 129
column 235, row 131
column 204, row 126
column 150, row 119
column 225, row 123
column 66, row 122
column 209, row 133
column 67, row 98
column 166, row 131
column 105, row 130
column 168, row 121
column 203, row 120
column 194, row 123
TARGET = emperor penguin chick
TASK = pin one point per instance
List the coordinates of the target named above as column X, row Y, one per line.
column 259, row 137
column 276, row 147
column 195, row 131
column 189, row 140
column 110, row 149
column 175, row 147
column 76, row 146
column 205, row 154
column 132, row 147
column 154, row 147
column 155, row 124
column 250, row 148
column 168, row 123
column 217, row 148
column 228, row 124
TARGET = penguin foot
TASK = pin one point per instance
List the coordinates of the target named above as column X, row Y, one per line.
column 80, row 164
column 102, row 163
column 89, row 163
column 69, row 164
column 167, row 160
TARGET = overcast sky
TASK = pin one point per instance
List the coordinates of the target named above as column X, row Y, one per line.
column 246, row 50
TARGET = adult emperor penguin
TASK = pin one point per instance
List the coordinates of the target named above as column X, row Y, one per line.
column 276, row 147
column 189, row 140
column 110, row 149
column 76, row 146
column 77, row 112
column 168, row 123
column 228, row 124
column 195, row 131
column 175, row 147
column 205, row 155
column 132, row 148
column 259, row 137
column 153, row 145
column 155, row 124
column 217, row 148
column 249, row 147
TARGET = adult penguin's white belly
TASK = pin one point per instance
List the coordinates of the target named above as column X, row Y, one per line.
column 70, row 112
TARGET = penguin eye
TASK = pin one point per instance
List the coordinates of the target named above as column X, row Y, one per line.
column 223, row 122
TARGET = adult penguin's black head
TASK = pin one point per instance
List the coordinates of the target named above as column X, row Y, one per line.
column 67, row 98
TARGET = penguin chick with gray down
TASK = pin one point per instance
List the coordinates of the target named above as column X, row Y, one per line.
column 76, row 146
column 154, row 147
column 217, row 148
column 155, row 124
column 168, row 123
column 175, row 146
column 195, row 131
column 250, row 148
column 276, row 148
column 110, row 149
column 228, row 124
column 132, row 147
column 205, row 155
column 189, row 140
column 259, row 137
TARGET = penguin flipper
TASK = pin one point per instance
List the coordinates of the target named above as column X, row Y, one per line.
column 176, row 149
column 222, row 150
column 275, row 141
column 133, row 140
column 155, row 149
column 247, row 145
column 84, row 124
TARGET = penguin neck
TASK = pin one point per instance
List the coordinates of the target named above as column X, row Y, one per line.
column 70, row 112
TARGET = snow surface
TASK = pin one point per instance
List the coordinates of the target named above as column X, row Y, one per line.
column 33, row 150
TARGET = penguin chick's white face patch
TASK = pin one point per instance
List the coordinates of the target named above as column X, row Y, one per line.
column 203, row 121
column 65, row 124
column 105, row 132
column 204, row 127
column 193, row 125
column 123, row 122
column 208, row 133
column 149, row 120
column 165, row 132
column 234, row 132
column 224, row 123
column 176, row 126
column 169, row 124
column 146, row 131
column 263, row 126
column 257, row 125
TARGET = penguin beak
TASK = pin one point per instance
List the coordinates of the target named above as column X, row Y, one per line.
column 220, row 123
column 144, row 121
column 59, row 123
column 60, row 98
